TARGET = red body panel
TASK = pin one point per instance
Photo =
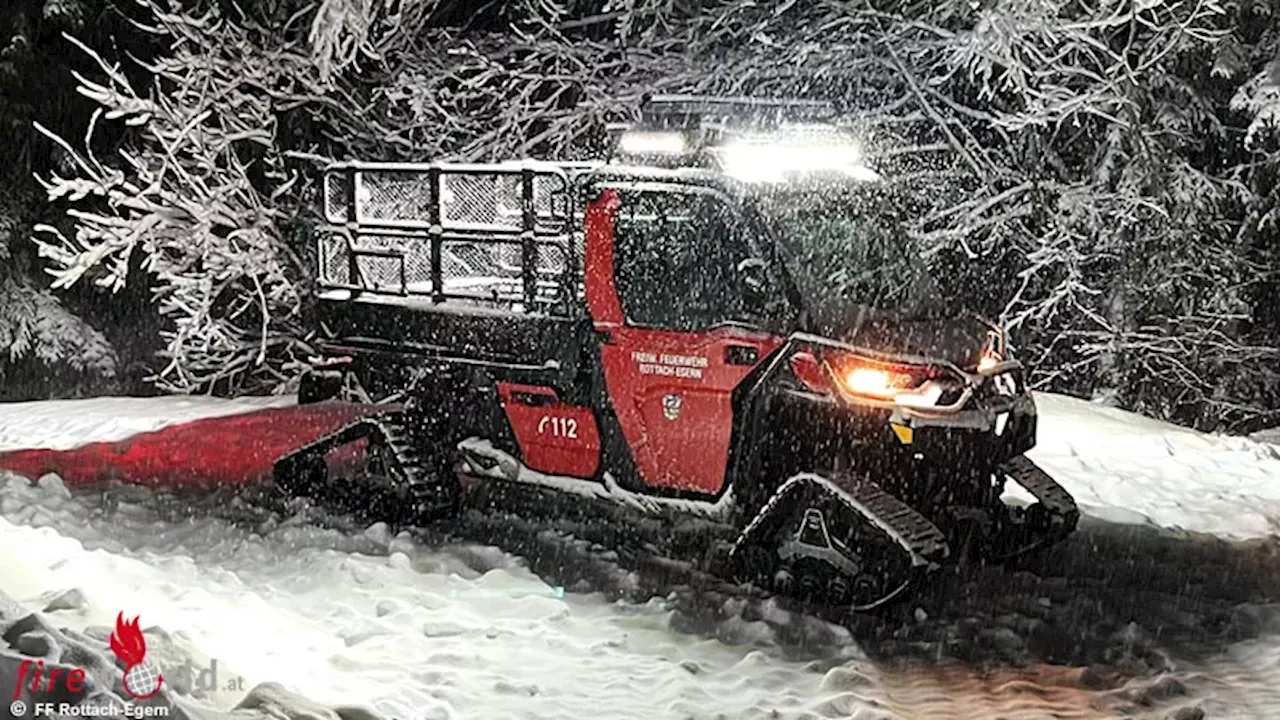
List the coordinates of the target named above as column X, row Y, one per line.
column 671, row 391
column 602, row 295
column 554, row 438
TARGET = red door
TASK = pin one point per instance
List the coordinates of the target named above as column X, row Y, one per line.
column 664, row 293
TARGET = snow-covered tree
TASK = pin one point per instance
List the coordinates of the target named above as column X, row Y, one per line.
column 1145, row 271
column 195, row 194
column 1102, row 175
column 45, row 347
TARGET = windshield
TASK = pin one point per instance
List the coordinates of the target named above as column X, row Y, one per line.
column 846, row 246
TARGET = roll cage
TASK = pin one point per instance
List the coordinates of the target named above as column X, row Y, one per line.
column 504, row 236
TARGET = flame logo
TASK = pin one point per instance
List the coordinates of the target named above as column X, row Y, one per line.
column 130, row 646
column 127, row 641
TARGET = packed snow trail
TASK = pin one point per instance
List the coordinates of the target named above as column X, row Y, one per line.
column 351, row 615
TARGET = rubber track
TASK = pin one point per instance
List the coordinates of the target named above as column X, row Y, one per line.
column 923, row 542
column 421, row 483
column 345, row 434
column 923, row 538
column 909, row 529
column 1062, row 507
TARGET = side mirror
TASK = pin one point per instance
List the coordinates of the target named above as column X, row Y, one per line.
column 754, row 275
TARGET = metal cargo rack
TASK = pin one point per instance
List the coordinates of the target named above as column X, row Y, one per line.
column 502, row 235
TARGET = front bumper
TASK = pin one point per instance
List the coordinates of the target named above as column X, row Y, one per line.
column 982, row 435
column 985, row 433
column 787, row 422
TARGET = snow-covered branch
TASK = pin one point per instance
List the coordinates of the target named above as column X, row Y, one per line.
column 192, row 194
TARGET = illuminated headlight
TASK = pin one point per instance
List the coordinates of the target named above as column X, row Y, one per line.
column 768, row 159
column 875, row 382
column 652, row 143
column 855, row 377
column 908, row 386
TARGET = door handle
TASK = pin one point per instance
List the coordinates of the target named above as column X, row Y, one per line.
column 741, row 354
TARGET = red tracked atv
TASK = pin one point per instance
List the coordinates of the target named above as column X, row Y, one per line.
column 655, row 334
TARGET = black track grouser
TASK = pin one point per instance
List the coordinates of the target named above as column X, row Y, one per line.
column 648, row 334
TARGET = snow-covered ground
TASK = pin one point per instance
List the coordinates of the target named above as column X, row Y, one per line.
column 64, row 424
column 1124, row 467
column 369, row 619
column 355, row 616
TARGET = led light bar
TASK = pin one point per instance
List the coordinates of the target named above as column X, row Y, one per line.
column 808, row 149
column 636, row 142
